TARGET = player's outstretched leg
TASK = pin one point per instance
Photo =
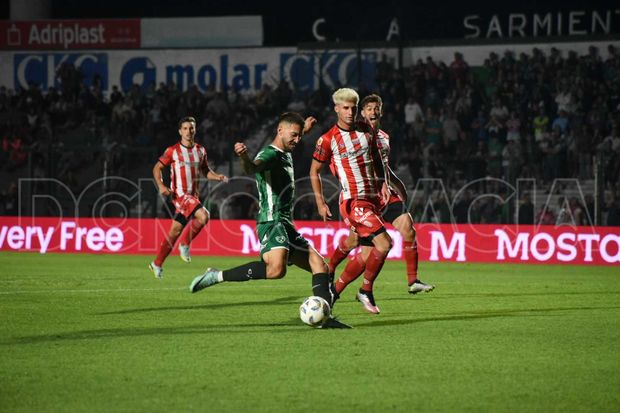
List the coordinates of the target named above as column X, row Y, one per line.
column 374, row 263
column 191, row 231
column 209, row 278
column 417, row 285
column 354, row 268
column 306, row 257
column 342, row 251
column 157, row 271
column 404, row 225
column 164, row 249
column 255, row 270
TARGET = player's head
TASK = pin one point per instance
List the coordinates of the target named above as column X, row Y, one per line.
column 345, row 105
column 372, row 109
column 187, row 128
column 290, row 130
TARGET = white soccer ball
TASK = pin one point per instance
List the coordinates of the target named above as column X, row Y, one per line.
column 314, row 311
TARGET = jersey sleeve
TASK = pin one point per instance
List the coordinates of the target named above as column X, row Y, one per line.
column 166, row 158
column 266, row 156
column 323, row 149
column 204, row 164
column 383, row 142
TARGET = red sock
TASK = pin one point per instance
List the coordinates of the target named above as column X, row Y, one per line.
column 164, row 250
column 374, row 263
column 339, row 254
column 355, row 268
column 190, row 232
column 411, row 260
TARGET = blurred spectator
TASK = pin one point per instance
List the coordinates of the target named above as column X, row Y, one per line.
column 433, row 132
column 541, row 124
column 545, row 216
column 488, row 120
column 413, row 112
column 561, row 121
column 526, row 211
column 613, row 212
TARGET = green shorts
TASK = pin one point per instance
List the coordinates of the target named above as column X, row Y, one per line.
column 279, row 234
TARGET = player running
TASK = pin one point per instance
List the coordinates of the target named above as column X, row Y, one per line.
column 353, row 150
column 395, row 212
column 187, row 160
column 280, row 241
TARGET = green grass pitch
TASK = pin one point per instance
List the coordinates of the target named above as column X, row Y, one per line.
column 100, row 334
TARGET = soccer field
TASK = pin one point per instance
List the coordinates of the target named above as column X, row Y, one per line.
column 100, row 333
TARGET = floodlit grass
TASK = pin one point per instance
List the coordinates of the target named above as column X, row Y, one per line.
column 100, row 333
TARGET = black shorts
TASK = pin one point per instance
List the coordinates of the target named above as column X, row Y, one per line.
column 389, row 214
column 180, row 218
column 393, row 211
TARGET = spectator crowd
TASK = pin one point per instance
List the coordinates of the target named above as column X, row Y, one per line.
column 539, row 116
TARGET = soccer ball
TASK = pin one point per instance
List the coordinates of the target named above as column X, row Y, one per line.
column 314, row 311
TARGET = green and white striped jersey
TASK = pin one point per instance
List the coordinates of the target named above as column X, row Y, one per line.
column 276, row 185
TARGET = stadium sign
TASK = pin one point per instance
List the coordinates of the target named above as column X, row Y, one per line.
column 333, row 69
column 436, row 242
column 42, row 68
column 559, row 23
column 240, row 69
column 70, row 34
column 244, row 70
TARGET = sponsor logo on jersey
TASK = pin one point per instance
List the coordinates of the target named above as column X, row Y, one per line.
column 353, row 154
column 190, row 164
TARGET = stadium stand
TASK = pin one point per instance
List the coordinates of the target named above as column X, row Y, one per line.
column 545, row 118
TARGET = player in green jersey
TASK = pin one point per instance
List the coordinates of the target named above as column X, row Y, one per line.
column 280, row 242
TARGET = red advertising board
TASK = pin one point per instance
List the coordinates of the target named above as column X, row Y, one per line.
column 456, row 243
column 70, row 34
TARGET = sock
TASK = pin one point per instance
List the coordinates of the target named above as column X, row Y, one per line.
column 320, row 287
column 255, row 270
column 190, row 232
column 374, row 263
column 355, row 267
column 339, row 254
column 411, row 260
column 164, row 250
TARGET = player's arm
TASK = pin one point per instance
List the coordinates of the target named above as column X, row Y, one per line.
column 214, row 176
column 317, row 188
column 398, row 185
column 382, row 169
column 249, row 166
column 157, row 176
column 309, row 123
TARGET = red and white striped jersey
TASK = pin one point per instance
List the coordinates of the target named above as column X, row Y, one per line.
column 185, row 166
column 351, row 155
column 383, row 142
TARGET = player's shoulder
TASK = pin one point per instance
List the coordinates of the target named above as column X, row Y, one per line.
column 266, row 151
column 383, row 134
column 170, row 150
column 330, row 133
column 201, row 148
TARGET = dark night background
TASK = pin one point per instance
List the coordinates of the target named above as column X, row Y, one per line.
column 287, row 23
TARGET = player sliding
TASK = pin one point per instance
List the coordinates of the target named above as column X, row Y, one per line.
column 394, row 212
column 187, row 160
column 280, row 241
column 353, row 150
